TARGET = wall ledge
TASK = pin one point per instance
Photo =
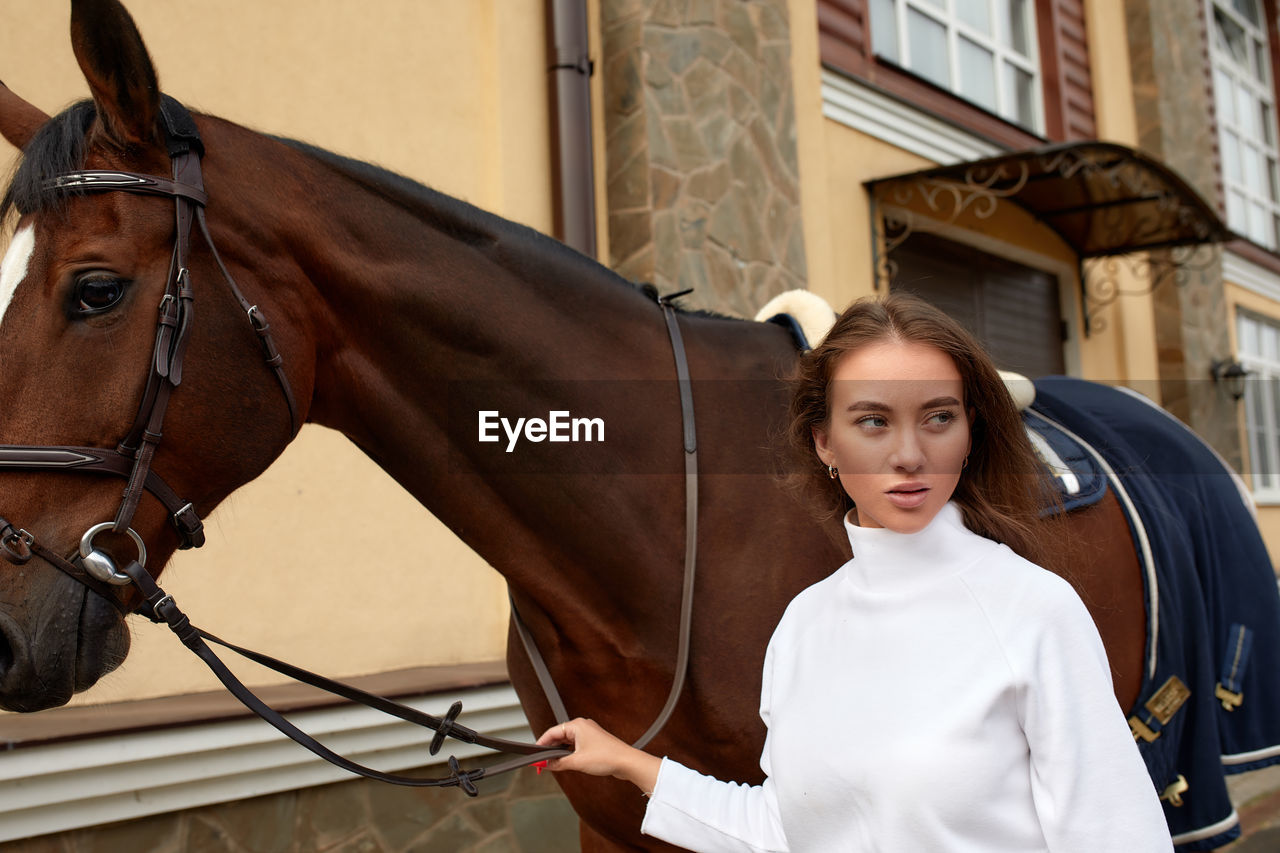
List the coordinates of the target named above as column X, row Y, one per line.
column 52, row 783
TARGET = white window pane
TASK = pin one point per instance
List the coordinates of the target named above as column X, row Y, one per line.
column 1267, row 441
column 1016, row 25
column 1259, row 459
column 1268, row 123
column 1247, row 113
column 977, row 74
column 1231, row 156
column 884, row 29
column 1268, row 342
column 1273, row 187
column 975, row 13
column 1229, row 38
column 1236, row 216
column 1260, row 60
column 927, row 40
column 1223, row 90
column 940, row 5
column 1022, row 92
column 1260, row 225
column 1252, row 159
column 1249, row 10
column 1247, row 334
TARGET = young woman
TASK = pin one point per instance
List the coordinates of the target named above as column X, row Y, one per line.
column 941, row 691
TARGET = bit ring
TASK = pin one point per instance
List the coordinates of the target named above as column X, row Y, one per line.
column 99, row 565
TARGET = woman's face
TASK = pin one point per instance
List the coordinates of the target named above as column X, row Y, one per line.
column 898, row 430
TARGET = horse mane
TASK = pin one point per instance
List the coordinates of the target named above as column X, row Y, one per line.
column 452, row 216
column 461, row 220
column 57, row 147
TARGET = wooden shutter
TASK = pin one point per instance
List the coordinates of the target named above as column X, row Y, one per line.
column 1013, row 309
column 844, row 35
column 1064, row 66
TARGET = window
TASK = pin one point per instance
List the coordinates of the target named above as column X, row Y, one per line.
column 1259, row 342
column 985, row 51
column 1246, row 107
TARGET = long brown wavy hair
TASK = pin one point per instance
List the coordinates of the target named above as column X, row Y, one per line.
column 1004, row 487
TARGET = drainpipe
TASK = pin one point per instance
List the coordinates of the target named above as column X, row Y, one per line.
column 571, row 67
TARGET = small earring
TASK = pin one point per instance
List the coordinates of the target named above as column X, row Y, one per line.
column 965, row 463
column 833, row 472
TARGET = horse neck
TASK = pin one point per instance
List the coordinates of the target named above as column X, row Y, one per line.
column 416, row 298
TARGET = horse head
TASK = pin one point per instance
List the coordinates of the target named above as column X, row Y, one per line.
column 83, row 359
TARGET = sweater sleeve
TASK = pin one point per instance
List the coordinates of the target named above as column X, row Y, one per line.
column 704, row 814
column 1090, row 786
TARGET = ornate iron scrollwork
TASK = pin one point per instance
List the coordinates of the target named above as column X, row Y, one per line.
column 1101, row 278
column 1116, row 208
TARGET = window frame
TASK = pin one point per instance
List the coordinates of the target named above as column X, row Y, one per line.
column 1062, row 45
column 1262, row 388
column 947, row 17
column 1260, row 91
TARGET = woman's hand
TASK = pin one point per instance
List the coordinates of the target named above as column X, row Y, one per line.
column 598, row 753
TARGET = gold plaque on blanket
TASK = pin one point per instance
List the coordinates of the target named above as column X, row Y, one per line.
column 1168, row 699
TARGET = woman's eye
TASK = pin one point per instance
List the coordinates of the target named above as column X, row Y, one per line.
column 942, row 418
column 873, row 421
column 95, row 295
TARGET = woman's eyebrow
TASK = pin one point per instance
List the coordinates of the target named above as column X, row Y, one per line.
column 868, row 406
column 877, row 406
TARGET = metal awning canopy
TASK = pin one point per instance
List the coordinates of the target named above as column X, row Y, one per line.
column 1100, row 197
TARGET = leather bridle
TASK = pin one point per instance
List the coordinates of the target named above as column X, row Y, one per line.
column 133, row 457
column 132, row 460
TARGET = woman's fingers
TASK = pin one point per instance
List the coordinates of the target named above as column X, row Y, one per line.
column 557, row 734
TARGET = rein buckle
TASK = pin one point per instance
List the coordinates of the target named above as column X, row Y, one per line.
column 16, row 544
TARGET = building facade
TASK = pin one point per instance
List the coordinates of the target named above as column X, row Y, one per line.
column 1091, row 186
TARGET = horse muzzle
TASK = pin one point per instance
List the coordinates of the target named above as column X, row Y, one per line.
column 57, row 637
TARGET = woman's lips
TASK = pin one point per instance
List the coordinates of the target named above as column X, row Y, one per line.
column 908, row 496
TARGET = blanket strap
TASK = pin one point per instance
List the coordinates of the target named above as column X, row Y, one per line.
column 1230, row 689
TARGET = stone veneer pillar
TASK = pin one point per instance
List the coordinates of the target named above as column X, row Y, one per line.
column 703, row 187
column 1173, row 101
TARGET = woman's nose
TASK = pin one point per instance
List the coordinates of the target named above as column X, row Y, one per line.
column 908, row 454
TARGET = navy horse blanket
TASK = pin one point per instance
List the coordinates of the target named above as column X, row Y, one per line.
column 1210, row 698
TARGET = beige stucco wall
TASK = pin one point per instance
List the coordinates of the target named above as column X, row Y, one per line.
column 452, row 94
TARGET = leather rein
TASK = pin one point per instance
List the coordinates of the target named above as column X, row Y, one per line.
column 132, row 460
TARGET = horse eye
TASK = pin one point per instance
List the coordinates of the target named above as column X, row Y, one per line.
column 95, row 295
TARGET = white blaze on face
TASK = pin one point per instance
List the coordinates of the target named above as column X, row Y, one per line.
column 13, row 269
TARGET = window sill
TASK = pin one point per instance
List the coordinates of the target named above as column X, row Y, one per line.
column 944, row 105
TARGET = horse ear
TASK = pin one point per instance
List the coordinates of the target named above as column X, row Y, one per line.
column 19, row 120
column 116, row 65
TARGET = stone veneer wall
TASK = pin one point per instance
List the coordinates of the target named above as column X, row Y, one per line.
column 521, row 812
column 701, row 163
column 1174, row 106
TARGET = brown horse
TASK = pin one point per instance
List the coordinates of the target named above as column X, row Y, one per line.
column 401, row 314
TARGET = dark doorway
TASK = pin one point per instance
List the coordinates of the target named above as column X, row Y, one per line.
column 1013, row 309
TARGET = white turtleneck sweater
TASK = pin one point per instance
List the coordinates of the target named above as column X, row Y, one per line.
column 937, row 693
